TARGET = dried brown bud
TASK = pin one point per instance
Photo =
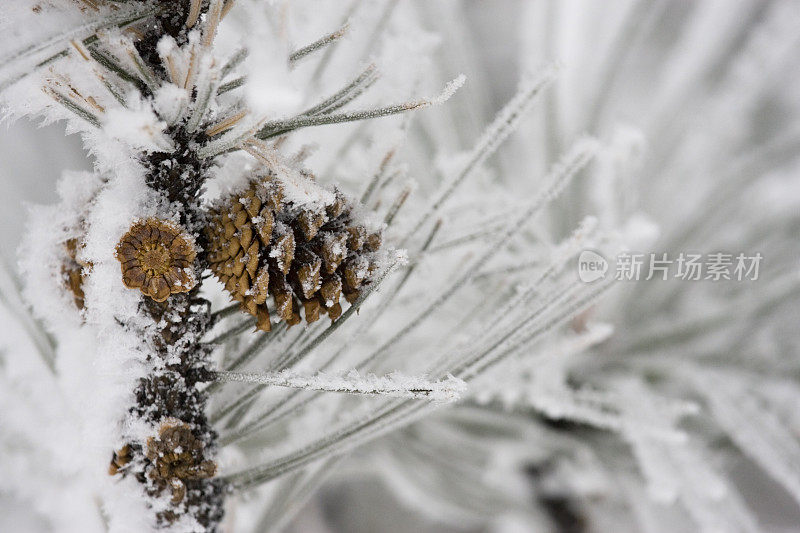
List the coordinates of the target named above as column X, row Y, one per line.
column 177, row 456
column 157, row 257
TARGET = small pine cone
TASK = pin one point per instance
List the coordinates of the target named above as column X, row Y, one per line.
column 304, row 256
column 157, row 257
column 177, row 456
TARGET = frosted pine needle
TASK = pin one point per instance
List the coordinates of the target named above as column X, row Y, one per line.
column 394, row 385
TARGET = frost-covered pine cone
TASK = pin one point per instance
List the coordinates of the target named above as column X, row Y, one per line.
column 260, row 244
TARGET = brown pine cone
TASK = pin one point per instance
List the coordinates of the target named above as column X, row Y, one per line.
column 309, row 255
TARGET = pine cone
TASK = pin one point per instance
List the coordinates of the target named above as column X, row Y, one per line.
column 261, row 244
column 157, row 257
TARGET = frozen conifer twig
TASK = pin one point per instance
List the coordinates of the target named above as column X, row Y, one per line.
column 393, row 385
column 171, row 318
column 161, row 96
column 168, row 103
column 263, row 130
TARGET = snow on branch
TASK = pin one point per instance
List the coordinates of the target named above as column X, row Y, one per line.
column 395, row 385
